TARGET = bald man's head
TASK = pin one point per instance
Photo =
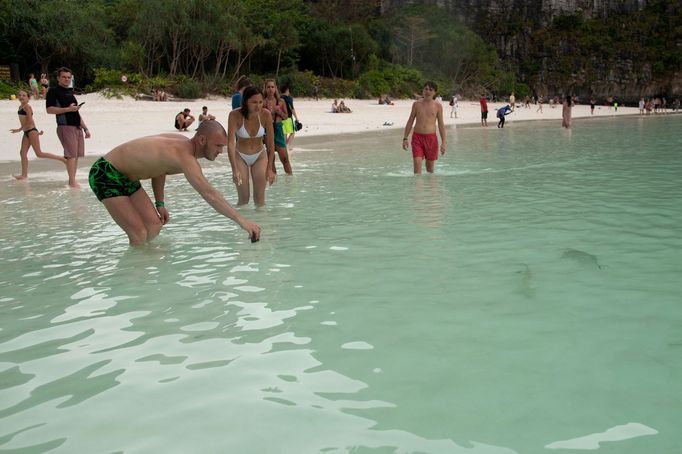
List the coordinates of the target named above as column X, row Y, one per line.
column 208, row 128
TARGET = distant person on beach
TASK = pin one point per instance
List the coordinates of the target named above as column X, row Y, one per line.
column 484, row 110
column 426, row 116
column 454, row 105
column 343, row 108
column 335, row 106
column 159, row 95
column 502, row 112
column 278, row 109
column 45, row 84
column 251, row 147
column 566, row 113
column 540, row 101
column 512, row 101
column 641, row 106
column 593, row 102
column 115, row 179
column 204, row 115
column 61, row 102
column 33, row 84
column 241, row 84
column 31, row 137
column 183, row 120
column 289, row 125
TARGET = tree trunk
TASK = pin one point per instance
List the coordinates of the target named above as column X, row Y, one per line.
column 279, row 58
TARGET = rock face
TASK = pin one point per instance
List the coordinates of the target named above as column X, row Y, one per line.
column 541, row 12
column 559, row 60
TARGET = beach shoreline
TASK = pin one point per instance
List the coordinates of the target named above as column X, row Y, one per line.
column 114, row 121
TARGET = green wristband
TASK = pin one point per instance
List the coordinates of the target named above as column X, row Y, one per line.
column 159, row 204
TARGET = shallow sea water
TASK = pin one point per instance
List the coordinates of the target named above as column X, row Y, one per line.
column 524, row 299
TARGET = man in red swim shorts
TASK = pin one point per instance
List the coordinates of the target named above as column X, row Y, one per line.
column 425, row 116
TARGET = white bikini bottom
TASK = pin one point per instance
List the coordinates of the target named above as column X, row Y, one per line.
column 250, row 159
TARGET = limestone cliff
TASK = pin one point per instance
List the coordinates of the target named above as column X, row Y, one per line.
column 586, row 47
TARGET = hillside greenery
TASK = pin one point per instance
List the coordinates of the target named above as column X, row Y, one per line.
column 345, row 48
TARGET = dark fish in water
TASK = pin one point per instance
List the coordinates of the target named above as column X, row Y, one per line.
column 525, row 285
column 581, row 257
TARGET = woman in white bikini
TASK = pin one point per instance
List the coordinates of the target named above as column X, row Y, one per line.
column 31, row 137
column 250, row 134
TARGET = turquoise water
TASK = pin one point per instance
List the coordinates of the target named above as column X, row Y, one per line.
column 525, row 299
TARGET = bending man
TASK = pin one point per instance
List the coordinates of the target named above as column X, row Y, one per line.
column 114, row 178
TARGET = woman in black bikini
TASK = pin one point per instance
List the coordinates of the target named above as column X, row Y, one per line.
column 45, row 84
column 31, row 137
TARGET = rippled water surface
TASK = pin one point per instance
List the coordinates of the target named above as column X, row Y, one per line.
column 525, row 299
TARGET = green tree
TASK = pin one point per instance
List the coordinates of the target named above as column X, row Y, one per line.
column 39, row 29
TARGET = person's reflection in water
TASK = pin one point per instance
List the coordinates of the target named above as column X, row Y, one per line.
column 430, row 202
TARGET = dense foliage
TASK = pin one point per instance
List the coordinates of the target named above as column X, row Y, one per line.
column 335, row 47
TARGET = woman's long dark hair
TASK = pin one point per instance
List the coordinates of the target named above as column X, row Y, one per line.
column 249, row 92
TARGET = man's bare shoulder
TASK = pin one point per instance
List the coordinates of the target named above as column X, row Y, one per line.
column 157, row 144
column 171, row 135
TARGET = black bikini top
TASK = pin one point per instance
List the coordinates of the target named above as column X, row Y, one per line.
column 21, row 111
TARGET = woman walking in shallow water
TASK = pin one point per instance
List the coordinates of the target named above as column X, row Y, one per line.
column 566, row 112
column 31, row 137
column 278, row 109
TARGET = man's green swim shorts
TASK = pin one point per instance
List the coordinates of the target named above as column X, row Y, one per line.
column 107, row 181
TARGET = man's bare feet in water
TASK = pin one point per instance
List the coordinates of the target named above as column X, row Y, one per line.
column 74, row 185
column 20, row 177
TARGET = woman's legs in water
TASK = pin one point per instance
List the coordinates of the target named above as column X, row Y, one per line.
column 243, row 190
column 23, row 153
column 284, row 159
column 258, row 173
column 34, row 138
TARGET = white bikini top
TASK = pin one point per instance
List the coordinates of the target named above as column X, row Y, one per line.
column 242, row 133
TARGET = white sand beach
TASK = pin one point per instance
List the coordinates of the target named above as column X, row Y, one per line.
column 114, row 121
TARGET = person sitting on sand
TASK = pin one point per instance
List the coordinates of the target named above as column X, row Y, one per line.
column 114, row 178
column 31, row 137
column 343, row 108
column 183, row 120
column 204, row 115
column 159, row 95
column 335, row 106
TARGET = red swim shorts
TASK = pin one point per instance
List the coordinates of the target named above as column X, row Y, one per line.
column 425, row 146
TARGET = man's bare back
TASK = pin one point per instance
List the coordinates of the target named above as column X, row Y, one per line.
column 152, row 156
